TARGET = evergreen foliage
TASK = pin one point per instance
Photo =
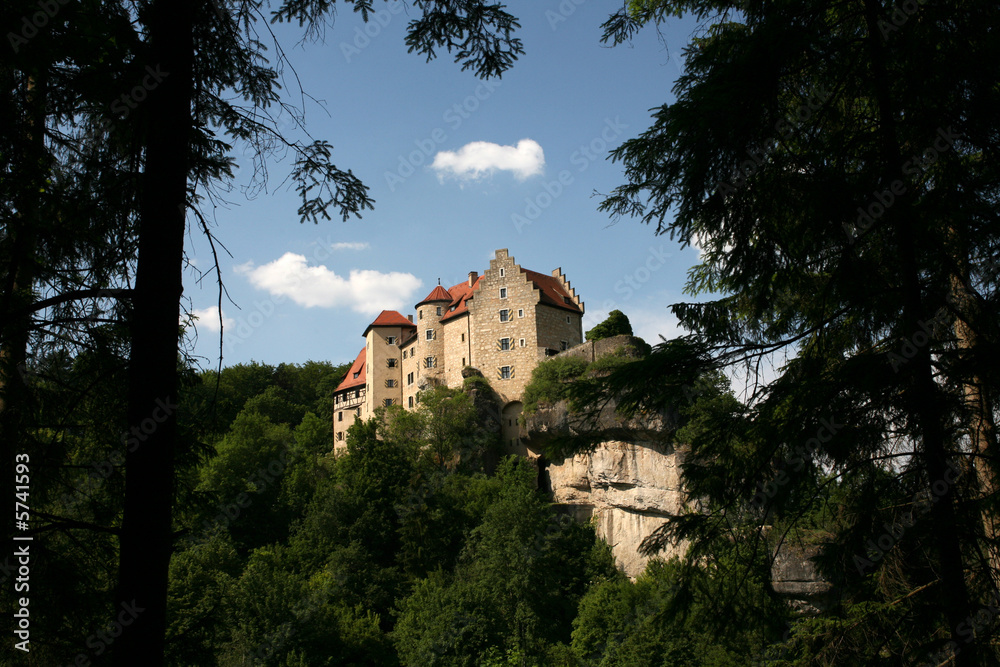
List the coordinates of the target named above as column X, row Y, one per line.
column 841, row 220
column 616, row 324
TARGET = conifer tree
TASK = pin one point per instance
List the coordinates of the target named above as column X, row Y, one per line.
column 847, row 218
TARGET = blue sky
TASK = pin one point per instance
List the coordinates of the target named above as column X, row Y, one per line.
column 458, row 167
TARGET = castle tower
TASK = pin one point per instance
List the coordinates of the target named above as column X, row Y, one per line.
column 384, row 364
column 429, row 345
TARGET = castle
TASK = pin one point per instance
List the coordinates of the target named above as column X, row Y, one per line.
column 503, row 322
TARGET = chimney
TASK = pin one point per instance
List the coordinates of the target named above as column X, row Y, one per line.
column 410, row 317
column 473, row 277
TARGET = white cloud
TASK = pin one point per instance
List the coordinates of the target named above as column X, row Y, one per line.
column 208, row 318
column 481, row 158
column 364, row 291
column 361, row 245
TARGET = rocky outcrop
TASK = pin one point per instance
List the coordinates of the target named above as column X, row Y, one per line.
column 628, row 484
column 628, row 490
column 794, row 577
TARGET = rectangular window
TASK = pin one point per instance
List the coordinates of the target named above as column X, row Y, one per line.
column 409, row 378
column 390, row 383
column 506, row 372
column 439, row 311
column 387, row 402
column 505, row 315
column 463, row 361
column 404, row 354
column 411, row 401
column 420, row 314
column 390, row 340
column 430, row 334
column 504, row 344
column 503, row 292
column 340, row 416
column 520, row 342
column 340, row 435
column 567, row 319
column 520, row 312
column 391, row 363
column 502, row 273
column 463, row 338
column 430, row 362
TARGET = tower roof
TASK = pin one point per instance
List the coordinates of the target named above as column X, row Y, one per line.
column 437, row 294
column 460, row 294
column 389, row 318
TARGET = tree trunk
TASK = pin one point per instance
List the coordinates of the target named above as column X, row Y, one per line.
column 19, row 282
column 978, row 412
column 922, row 405
column 146, row 542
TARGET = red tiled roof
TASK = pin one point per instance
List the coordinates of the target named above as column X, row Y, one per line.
column 438, row 294
column 460, row 294
column 553, row 292
column 357, row 367
column 389, row 318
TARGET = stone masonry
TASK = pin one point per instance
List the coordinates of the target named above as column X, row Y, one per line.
column 503, row 322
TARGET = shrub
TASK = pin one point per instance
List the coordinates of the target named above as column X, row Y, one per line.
column 549, row 381
column 615, row 325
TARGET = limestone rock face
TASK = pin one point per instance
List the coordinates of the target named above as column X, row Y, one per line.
column 794, row 576
column 628, row 483
column 629, row 489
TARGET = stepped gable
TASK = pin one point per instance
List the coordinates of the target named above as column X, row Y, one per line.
column 437, row 294
column 357, row 367
column 390, row 318
column 553, row 291
column 461, row 293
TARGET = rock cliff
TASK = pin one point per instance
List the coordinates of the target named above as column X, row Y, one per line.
column 629, row 484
